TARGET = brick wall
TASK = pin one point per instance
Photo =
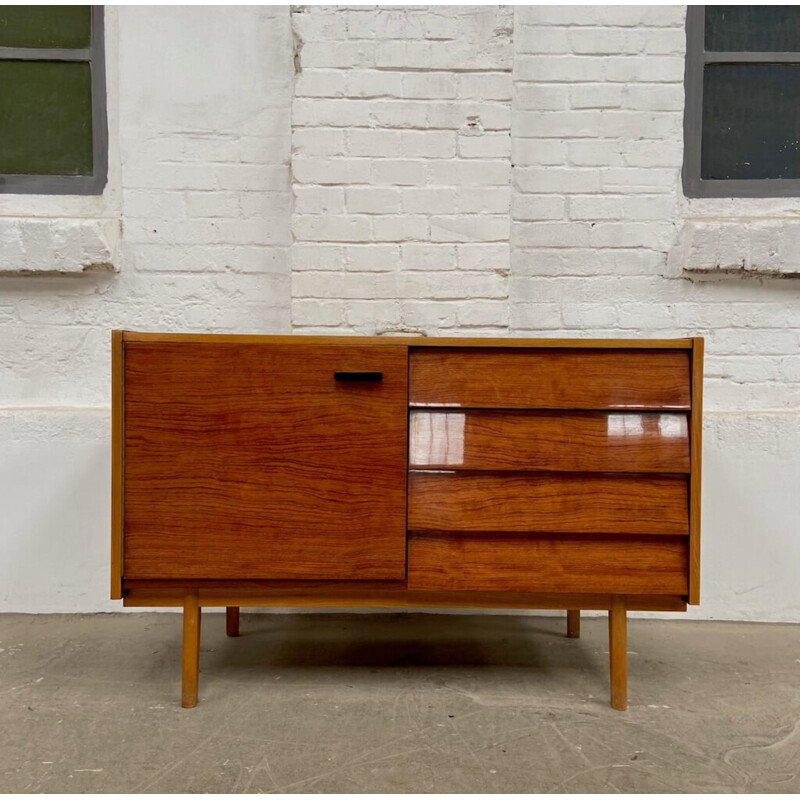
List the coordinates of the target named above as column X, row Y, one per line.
column 401, row 144
column 597, row 120
column 450, row 170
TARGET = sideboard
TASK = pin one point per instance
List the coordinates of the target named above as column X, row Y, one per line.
column 405, row 472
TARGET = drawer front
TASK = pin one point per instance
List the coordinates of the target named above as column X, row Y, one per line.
column 531, row 563
column 579, row 441
column 254, row 461
column 551, row 502
column 557, row 378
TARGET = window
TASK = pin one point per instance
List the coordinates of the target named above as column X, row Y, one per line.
column 742, row 120
column 53, row 134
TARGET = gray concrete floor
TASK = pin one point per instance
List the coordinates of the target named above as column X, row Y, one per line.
column 396, row 703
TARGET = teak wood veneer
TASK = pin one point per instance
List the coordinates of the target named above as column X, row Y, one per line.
column 405, row 472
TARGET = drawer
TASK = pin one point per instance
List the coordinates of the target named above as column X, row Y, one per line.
column 548, row 502
column 533, row 563
column 577, row 441
column 549, row 378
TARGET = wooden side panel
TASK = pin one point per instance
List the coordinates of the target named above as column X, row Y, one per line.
column 537, row 440
column 534, row 563
column 695, row 480
column 552, row 502
column 251, row 461
column 116, row 463
column 556, row 379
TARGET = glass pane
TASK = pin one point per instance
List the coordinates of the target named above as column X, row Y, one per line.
column 751, row 121
column 45, row 118
column 755, row 29
column 45, row 26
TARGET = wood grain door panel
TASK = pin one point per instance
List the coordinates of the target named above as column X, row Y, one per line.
column 251, row 461
column 540, row 563
column 559, row 378
column 554, row 502
column 574, row 441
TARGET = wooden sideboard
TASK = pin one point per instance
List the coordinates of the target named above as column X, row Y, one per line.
column 405, row 472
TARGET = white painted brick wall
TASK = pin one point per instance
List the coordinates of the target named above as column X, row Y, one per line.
column 401, row 166
column 448, row 169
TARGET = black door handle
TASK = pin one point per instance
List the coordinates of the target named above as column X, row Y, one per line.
column 357, row 376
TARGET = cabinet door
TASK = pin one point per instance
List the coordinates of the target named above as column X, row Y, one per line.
column 254, row 461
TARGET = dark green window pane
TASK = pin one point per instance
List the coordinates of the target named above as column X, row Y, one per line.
column 45, row 118
column 45, row 26
column 753, row 29
column 751, row 121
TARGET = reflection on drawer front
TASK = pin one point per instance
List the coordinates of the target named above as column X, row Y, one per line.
column 559, row 503
column 551, row 378
column 539, row 440
column 535, row 563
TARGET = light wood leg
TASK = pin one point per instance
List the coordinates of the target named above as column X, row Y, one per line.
column 232, row 620
column 191, row 649
column 618, row 652
column 573, row 624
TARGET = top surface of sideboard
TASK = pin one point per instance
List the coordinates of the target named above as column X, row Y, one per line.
column 409, row 341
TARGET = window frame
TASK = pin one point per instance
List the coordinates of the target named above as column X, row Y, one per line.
column 696, row 59
column 94, row 55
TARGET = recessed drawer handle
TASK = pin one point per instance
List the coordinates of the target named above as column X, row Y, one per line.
column 358, row 376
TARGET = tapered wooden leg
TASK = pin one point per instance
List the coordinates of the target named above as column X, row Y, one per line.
column 191, row 649
column 232, row 620
column 618, row 652
column 573, row 624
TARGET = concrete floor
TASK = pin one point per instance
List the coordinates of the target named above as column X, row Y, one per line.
column 396, row 703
